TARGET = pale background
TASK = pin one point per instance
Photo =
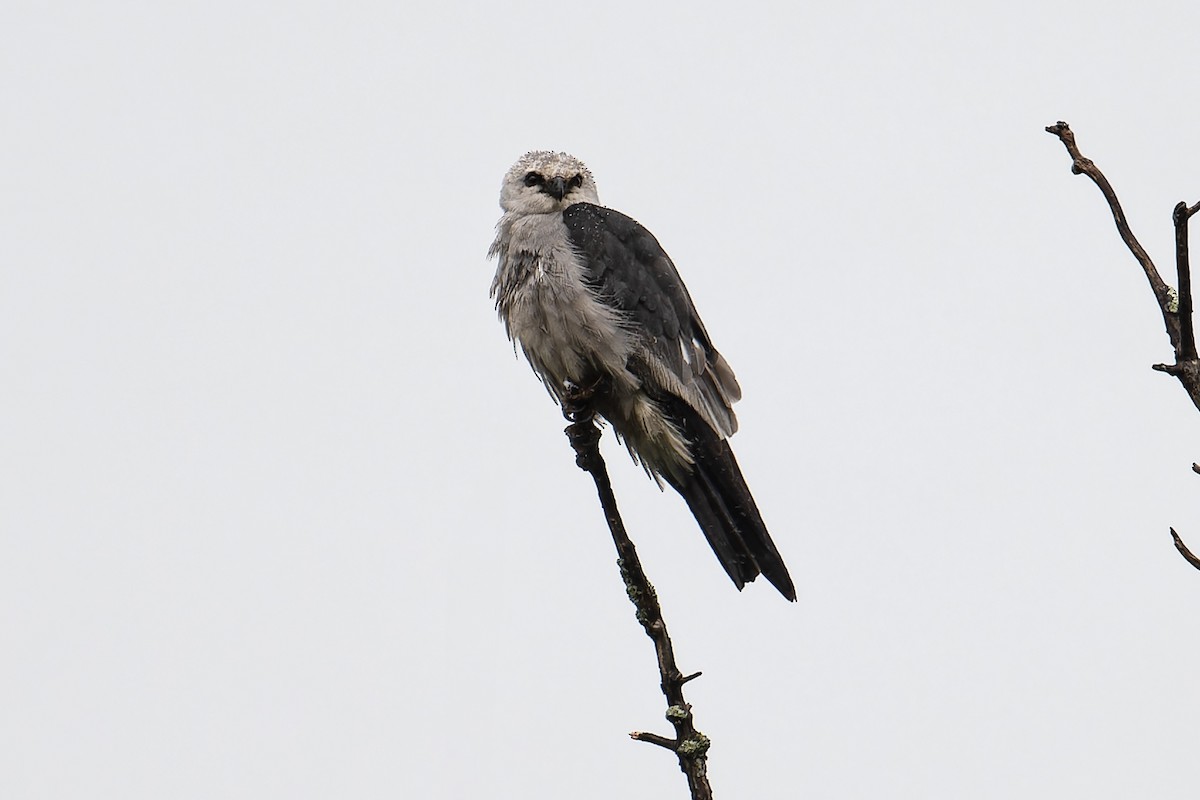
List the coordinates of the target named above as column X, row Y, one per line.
column 282, row 516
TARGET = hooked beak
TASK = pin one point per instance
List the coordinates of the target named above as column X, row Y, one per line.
column 556, row 188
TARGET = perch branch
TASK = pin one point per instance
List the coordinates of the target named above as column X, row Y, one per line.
column 689, row 745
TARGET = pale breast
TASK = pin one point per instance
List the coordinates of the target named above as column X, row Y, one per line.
column 566, row 331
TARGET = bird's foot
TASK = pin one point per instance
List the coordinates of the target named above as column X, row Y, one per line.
column 583, row 432
column 577, row 399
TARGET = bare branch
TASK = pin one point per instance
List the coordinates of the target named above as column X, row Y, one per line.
column 1187, row 339
column 654, row 738
column 689, row 745
column 1085, row 166
column 1176, row 308
column 1183, row 550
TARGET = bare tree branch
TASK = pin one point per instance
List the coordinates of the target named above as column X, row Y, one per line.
column 689, row 745
column 1176, row 307
column 1186, row 349
column 1085, row 166
column 1183, row 550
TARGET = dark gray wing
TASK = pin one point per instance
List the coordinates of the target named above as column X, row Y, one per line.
column 627, row 267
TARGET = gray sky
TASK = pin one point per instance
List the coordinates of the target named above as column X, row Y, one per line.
column 281, row 515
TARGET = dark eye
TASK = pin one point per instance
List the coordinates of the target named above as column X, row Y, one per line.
column 577, row 181
column 533, row 179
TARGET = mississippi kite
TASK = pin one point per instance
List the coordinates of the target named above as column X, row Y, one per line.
column 594, row 300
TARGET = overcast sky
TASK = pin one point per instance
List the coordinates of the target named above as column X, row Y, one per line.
column 282, row 516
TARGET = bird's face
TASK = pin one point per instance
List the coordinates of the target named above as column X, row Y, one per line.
column 543, row 182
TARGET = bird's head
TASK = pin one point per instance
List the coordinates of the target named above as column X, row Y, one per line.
column 543, row 182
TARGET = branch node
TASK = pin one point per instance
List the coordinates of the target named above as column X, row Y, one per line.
column 695, row 746
column 677, row 713
column 1172, row 299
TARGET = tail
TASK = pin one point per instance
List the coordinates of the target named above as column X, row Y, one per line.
column 717, row 494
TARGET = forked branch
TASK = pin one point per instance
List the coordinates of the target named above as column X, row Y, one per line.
column 1176, row 307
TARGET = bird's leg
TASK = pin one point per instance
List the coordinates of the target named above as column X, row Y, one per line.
column 582, row 432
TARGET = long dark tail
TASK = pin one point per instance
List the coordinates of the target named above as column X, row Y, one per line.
column 717, row 494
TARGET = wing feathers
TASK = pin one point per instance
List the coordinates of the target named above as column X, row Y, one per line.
column 688, row 387
column 628, row 268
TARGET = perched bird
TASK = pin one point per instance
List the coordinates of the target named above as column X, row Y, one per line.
column 594, row 300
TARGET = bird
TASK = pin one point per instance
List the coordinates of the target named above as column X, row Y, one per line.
column 593, row 300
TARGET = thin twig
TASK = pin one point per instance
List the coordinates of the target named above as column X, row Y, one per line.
column 689, row 745
column 1183, row 550
column 1081, row 165
column 654, row 738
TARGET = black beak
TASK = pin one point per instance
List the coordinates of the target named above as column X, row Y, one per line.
column 555, row 187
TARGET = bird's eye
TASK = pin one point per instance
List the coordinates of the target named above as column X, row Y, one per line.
column 577, row 181
column 533, row 179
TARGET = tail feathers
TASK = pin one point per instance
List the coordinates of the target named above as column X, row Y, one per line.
column 718, row 528
column 720, row 500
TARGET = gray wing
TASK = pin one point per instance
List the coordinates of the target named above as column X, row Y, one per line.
column 627, row 268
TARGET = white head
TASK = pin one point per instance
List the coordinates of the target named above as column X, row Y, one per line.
column 543, row 182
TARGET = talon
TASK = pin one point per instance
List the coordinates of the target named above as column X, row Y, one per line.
column 576, row 398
